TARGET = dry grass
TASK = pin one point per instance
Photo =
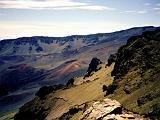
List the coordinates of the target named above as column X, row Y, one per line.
column 79, row 94
column 129, row 101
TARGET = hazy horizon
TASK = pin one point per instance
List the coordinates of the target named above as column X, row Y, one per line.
column 74, row 34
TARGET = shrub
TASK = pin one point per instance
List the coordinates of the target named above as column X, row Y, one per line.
column 45, row 90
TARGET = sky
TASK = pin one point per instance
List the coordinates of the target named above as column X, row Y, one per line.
column 19, row 18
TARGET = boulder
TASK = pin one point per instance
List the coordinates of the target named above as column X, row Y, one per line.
column 102, row 108
column 93, row 66
column 108, row 109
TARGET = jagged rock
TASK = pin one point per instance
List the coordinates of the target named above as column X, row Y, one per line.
column 93, row 66
column 100, row 109
column 107, row 109
column 70, row 82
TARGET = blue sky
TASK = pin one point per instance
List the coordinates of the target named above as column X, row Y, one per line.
column 67, row 17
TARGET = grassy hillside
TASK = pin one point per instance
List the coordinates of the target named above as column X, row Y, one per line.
column 61, row 101
column 137, row 71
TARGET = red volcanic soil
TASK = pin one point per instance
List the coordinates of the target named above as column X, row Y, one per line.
column 66, row 68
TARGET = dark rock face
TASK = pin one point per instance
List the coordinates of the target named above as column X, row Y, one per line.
column 70, row 82
column 93, row 66
column 142, row 51
column 112, row 58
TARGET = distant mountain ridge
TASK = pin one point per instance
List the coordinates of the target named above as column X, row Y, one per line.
column 69, row 44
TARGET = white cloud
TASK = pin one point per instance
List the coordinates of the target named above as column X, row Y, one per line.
column 135, row 12
column 129, row 11
column 142, row 11
column 147, row 4
column 93, row 7
column 156, row 8
column 19, row 29
column 51, row 4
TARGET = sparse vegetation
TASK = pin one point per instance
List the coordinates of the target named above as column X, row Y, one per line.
column 70, row 113
column 63, row 100
column 109, row 89
column 43, row 91
column 137, row 72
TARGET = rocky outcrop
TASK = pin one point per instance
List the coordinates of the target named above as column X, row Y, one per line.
column 70, row 82
column 137, row 71
column 107, row 109
column 112, row 58
column 141, row 51
column 93, row 66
